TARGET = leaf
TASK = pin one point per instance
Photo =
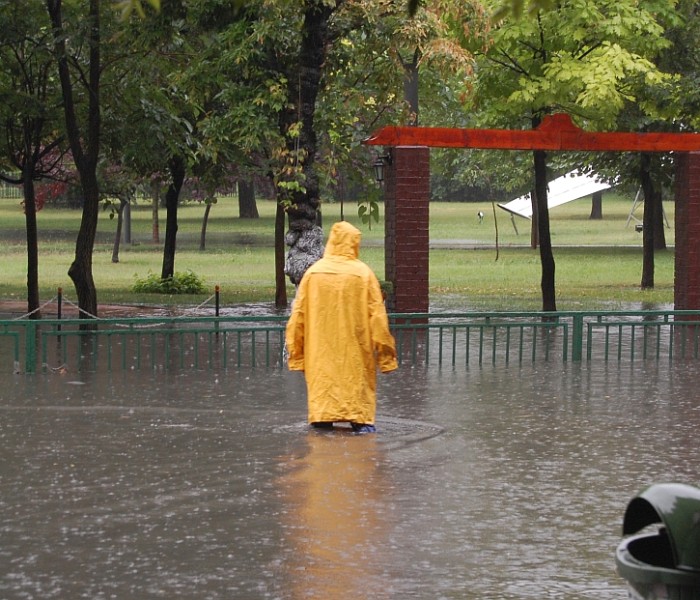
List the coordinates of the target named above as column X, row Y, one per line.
column 127, row 7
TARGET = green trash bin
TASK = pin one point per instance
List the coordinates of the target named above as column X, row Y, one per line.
column 662, row 564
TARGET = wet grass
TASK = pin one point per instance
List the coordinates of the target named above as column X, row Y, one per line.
column 586, row 278
column 598, row 262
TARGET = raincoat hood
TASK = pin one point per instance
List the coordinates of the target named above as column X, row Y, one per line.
column 343, row 240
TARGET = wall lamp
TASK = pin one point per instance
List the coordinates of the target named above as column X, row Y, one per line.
column 379, row 164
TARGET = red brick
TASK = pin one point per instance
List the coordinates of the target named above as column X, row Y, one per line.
column 687, row 223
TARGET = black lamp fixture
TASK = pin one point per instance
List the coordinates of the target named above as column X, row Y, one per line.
column 380, row 162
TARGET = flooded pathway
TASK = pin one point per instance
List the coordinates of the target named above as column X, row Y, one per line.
column 494, row 482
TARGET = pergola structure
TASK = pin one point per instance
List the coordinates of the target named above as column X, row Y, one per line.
column 407, row 193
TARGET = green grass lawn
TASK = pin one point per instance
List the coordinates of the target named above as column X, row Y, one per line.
column 598, row 263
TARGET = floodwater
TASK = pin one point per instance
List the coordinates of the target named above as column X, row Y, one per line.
column 490, row 482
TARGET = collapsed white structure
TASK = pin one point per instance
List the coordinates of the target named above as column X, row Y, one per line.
column 571, row 186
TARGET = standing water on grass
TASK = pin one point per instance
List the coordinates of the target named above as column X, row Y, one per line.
column 487, row 482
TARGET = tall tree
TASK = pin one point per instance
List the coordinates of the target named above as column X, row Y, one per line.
column 151, row 129
column 247, row 207
column 267, row 68
column 176, row 167
column 28, row 95
column 379, row 39
column 300, row 194
column 83, row 132
column 586, row 59
column 674, row 109
column 204, row 101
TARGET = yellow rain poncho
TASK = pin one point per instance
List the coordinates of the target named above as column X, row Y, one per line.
column 338, row 332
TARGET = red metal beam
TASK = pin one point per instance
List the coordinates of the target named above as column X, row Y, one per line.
column 556, row 132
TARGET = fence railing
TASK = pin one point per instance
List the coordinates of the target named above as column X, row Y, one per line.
column 14, row 192
column 437, row 339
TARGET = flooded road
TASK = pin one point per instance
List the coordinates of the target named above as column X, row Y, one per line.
column 492, row 482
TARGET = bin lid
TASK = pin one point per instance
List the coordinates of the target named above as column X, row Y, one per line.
column 677, row 506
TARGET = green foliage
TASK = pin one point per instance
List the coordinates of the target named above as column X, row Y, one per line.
column 368, row 212
column 127, row 7
column 505, row 8
column 387, row 287
column 589, row 58
column 111, row 205
column 180, row 283
column 368, row 208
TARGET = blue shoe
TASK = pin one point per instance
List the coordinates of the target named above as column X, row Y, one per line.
column 322, row 425
column 361, row 428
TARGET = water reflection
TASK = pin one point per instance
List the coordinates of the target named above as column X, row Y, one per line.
column 335, row 523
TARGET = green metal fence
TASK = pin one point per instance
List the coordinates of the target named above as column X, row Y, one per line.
column 438, row 339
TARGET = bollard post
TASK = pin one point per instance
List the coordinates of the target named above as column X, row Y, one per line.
column 216, row 301
column 59, row 305
column 577, row 339
column 30, row 347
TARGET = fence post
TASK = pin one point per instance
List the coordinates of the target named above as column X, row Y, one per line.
column 217, row 296
column 577, row 338
column 59, row 305
column 30, row 333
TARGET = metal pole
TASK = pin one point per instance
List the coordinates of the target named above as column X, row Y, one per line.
column 577, row 339
column 217, row 296
column 59, row 309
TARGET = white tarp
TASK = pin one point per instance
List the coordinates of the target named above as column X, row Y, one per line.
column 571, row 186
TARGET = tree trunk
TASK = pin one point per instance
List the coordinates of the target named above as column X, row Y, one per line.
column 648, row 224
column 302, row 206
column 596, row 206
column 545, row 239
column 172, row 197
column 280, row 280
column 123, row 203
column 203, row 234
column 658, row 216
column 410, row 86
column 80, row 270
column 85, row 147
column 32, row 242
column 127, row 220
column 247, row 206
column 155, row 191
column 534, row 227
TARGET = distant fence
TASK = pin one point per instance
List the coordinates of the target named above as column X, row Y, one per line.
column 13, row 192
column 445, row 340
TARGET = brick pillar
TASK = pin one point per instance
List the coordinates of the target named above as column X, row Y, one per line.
column 687, row 224
column 406, row 244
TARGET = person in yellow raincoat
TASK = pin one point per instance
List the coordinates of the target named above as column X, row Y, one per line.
column 338, row 334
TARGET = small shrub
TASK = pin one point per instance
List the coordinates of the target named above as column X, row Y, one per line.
column 180, row 283
column 387, row 288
